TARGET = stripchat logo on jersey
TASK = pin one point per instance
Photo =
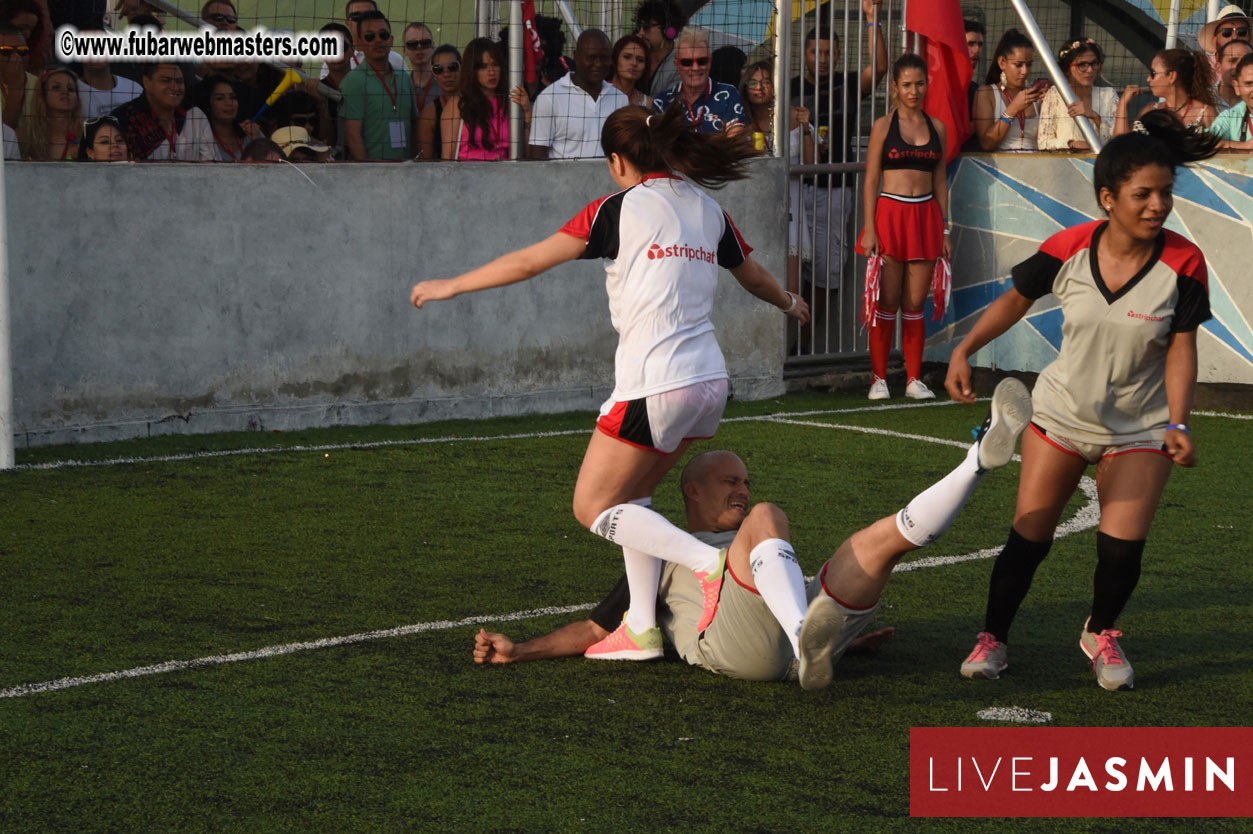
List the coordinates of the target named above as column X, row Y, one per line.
column 682, row 250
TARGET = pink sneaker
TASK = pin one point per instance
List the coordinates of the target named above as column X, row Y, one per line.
column 1109, row 665
column 987, row 660
column 711, row 585
column 625, row 644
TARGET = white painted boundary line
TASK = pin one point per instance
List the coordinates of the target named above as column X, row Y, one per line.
column 1085, row 518
column 286, row 648
column 781, row 417
column 1020, row 715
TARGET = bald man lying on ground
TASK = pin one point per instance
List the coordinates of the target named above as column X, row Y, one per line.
column 769, row 625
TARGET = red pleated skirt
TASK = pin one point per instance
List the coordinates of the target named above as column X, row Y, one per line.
column 908, row 231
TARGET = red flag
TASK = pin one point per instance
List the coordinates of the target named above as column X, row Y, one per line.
column 948, row 66
column 532, row 46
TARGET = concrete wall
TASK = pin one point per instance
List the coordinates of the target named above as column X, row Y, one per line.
column 158, row 299
column 1005, row 205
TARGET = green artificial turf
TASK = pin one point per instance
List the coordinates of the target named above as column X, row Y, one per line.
column 118, row 566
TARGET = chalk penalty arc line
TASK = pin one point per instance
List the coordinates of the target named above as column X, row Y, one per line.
column 1084, row 519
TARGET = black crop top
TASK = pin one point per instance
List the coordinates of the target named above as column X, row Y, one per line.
column 899, row 154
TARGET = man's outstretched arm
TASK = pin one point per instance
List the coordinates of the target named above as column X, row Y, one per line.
column 567, row 641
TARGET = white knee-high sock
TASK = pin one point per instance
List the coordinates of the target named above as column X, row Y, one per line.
column 643, row 579
column 640, row 528
column 781, row 584
column 931, row 512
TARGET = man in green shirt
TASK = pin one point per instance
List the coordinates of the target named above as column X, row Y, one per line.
column 1235, row 125
column 380, row 117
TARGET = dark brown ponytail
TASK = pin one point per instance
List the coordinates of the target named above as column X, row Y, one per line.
column 660, row 142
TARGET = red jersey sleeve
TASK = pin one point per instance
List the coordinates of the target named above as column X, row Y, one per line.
column 597, row 226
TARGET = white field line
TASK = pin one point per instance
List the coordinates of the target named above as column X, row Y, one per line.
column 1020, row 715
column 286, row 648
column 381, row 444
column 1086, row 517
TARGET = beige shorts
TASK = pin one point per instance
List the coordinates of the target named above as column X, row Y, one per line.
column 744, row 640
column 1094, row 452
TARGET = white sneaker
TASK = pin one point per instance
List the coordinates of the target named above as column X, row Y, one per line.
column 1109, row 665
column 819, row 631
column 1009, row 415
column 918, row 390
column 879, row 389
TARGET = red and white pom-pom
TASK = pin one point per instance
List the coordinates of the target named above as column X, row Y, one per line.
column 941, row 288
column 870, row 297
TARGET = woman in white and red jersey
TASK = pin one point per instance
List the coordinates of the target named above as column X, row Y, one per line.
column 1119, row 394
column 662, row 240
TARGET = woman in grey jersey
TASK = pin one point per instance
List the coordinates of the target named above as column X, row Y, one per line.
column 1119, row 394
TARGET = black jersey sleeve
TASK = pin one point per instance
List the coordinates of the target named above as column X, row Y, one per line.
column 732, row 250
column 608, row 615
column 597, row 225
column 1033, row 278
column 1192, row 306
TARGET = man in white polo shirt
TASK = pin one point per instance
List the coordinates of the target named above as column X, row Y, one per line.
column 570, row 113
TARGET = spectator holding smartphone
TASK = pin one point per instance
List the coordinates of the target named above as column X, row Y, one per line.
column 1006, row 114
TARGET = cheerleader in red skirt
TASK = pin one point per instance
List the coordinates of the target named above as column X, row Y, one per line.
column 905, row 224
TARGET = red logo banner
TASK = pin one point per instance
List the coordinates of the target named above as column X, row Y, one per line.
column 1081, row 772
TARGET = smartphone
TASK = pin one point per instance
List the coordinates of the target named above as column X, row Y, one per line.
column 1040, row 84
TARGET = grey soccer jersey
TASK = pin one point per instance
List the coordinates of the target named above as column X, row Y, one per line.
column 1108, row 383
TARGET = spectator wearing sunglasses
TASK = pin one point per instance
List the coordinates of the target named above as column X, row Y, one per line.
column 570, row 114
column 380, row 114
column 13, row 75
column 221, row 15
column 103, row 141
column 31, row 18
column 100, row 91
column 446, row 67
column 710, row 107
column 659, row 22
column 355, row 12
column 1234, row 126
column 1080, row 61
column 1231, row 24
column 419, row 44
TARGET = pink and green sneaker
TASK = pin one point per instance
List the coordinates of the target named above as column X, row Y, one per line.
column 711, row 586
column 624, row 644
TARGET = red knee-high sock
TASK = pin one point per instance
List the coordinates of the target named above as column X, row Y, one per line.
column 913, row 338
column 881, row 341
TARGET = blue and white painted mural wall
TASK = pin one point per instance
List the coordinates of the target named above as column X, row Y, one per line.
column 1005, row 205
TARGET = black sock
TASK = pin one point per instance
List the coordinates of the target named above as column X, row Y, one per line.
column 1011, row 579
column 1117, row 572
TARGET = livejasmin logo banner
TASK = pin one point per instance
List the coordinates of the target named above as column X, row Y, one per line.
column 1081, row 772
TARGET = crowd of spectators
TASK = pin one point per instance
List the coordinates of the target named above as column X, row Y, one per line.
column 388, row 101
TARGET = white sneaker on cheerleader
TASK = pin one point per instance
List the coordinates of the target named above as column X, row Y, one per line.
column 879, row 389
column 918, row 390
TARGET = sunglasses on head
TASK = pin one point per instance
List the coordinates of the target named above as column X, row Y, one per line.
column 382, row 34
column 451, row 66
column 14, row 50
column 222, row 18
column 700, row 62
column 108, row 120
column 421, row 43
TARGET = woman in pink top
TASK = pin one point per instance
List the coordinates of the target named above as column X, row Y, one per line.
column 475, row 125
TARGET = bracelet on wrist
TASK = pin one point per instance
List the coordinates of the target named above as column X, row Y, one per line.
column 948, row 231
column 872, row 24
column 1007, row 119
column 1183, row 427
column 795, row 300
